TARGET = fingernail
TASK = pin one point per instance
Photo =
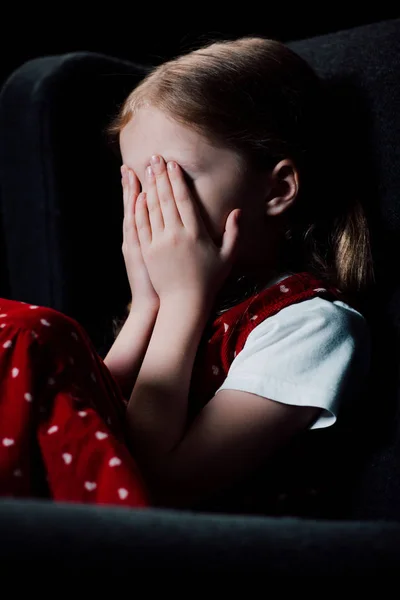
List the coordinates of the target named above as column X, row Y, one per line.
column 130, row 177
column 155, row 159
column 171, row 165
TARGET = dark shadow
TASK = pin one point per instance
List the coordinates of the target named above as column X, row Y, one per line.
column 96, row 287
column 367, row 424
column 4, row 262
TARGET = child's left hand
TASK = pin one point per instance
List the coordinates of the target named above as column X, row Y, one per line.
column 181, row 258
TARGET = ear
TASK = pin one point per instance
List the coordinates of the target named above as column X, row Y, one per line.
column 284, row 187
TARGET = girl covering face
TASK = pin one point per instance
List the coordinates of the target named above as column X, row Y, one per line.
column 247, row 121
column 242, row 337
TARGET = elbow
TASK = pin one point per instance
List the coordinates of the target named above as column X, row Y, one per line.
column 184, row 493
column 170, row 489
column 164, row 493
column 174, row 481
column 166, row 499
column 162, row 486
column 170, row 497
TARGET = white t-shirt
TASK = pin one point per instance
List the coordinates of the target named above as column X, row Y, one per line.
column 312, row 353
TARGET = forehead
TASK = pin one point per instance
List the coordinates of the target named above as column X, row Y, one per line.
column 152, row 131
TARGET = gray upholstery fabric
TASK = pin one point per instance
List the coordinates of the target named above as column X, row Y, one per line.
column 48, row 539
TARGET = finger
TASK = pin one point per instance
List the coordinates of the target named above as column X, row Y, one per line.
column 131, row 187
column 153, row 204
column 165, row 192
column 134, row 191
column 134, row 184
column 125, row 185
column 230, row 241
column 185, row 203
column 142, row 220
column 130, row 184
column 127, row 220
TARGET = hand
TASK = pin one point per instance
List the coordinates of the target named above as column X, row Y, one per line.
column 143, row 292
column 180, row 256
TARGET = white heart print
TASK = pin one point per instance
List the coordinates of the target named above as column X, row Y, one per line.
column 67, row 458
column 101, row 435
column 123, row 493
column 114, row 462
column 90, row 486
column 8, row 442
column 284, row 289
column 52, row 429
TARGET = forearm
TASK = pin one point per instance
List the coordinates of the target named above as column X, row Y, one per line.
column 157, row 409
column 126, row 355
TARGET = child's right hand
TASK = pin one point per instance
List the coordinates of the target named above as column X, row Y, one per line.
column 144, row 296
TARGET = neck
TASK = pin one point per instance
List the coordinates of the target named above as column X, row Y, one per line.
column 242, row 284
column 252, row 272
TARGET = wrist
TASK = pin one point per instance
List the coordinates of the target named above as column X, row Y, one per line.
column 185, row 301
column 188, row 311
column 129, row 348
column 143, row 311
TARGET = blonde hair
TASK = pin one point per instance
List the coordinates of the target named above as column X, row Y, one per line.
column 258, row 97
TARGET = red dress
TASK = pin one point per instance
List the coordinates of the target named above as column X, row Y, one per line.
column 62, row 412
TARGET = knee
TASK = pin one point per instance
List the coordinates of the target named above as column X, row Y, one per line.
column 45, row 319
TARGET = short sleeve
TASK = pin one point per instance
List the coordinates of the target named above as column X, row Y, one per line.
column 312, row 353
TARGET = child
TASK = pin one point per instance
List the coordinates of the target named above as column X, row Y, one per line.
column 242, row 337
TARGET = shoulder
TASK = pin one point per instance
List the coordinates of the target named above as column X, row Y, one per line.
column 312, row 353
column 312, row 335
column 316, row 316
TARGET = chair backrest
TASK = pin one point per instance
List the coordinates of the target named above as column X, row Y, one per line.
column 60, row 186
column 362, row 69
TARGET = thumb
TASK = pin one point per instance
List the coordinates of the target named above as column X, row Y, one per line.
column 230, row 240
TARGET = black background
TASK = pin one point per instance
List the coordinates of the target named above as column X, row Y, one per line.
column 150, row 34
